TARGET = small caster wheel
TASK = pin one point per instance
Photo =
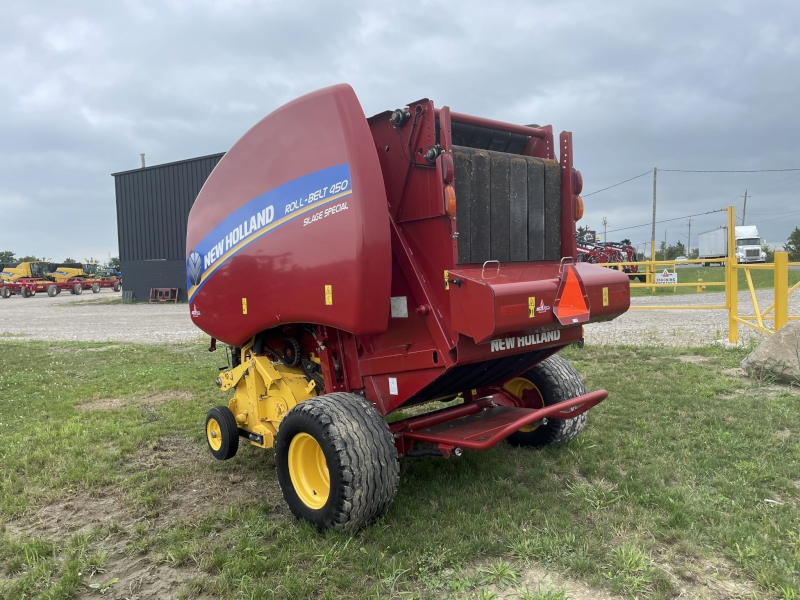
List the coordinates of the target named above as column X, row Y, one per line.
column 222, row 433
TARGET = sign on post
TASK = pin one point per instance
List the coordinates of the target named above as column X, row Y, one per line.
column 667, row 277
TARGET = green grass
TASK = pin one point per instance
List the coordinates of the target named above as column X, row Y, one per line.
column 762, row 280
column 666, row 485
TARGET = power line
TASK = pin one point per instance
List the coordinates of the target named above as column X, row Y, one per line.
column 620, row 183
column 731, row 171
column 779, row 183
column 668, row 220
column 777, row 218
column 698, row 215
column 693, row 171
column 775, row 214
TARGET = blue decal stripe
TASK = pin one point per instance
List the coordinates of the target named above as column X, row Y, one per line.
column 257, row 217
column 253, row 237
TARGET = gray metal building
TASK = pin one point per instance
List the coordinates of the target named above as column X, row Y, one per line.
column 153, row 205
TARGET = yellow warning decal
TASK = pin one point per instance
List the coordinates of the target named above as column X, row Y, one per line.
column 605, row 296
column 244, row 306
column 531, row 307
column 329, row 295
column 447, row 280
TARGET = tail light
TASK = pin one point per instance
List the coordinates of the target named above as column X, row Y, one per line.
column 577, row 181
column 450, row 200
column 447, row 168
column 578, row 208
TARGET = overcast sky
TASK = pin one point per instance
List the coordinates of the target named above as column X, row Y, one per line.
column 87, row 86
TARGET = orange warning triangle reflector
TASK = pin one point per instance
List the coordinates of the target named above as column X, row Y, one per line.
column 571, row 305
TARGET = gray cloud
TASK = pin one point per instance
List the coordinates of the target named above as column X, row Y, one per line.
column 86, row 86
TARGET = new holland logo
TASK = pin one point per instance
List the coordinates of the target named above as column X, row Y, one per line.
column 194, row 266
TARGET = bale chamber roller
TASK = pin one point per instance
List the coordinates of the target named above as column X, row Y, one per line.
column 359, row 266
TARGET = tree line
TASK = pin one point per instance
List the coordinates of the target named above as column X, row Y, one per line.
column 7, row 257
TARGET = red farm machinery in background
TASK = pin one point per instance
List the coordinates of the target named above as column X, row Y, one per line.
column 602, row 253
column 28, row 278
column 358, row 267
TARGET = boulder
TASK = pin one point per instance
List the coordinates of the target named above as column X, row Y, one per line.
column 777, row 357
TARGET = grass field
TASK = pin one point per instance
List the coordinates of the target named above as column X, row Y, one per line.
column 686, row 481
column 762, row 280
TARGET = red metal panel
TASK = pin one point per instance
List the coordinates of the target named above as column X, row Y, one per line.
column 542, row 148
column 499, row 125
column 320, row 231
column 569, row 245
column 487, row 302
column 413, row 186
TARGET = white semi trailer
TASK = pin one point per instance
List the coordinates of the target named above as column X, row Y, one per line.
column 713, row 245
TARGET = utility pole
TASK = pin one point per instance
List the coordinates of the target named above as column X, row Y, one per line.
column 744, row 210
column 665, row 244
column 605, row 227
column 653, row 234
column 689, row 240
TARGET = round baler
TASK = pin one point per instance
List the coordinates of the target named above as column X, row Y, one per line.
column 359, row 266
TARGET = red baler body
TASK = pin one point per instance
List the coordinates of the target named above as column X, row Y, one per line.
column 319, row 216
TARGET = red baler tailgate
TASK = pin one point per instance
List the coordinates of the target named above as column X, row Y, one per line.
column 492, row 301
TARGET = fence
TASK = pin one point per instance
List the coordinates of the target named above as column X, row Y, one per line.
column 777, row 312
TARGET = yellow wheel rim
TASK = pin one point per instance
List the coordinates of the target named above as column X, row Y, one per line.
column 517, row 386
column 308, row 470
column 214, row 434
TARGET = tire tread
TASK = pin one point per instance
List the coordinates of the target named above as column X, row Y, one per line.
column 369, row 463
column 558, row 381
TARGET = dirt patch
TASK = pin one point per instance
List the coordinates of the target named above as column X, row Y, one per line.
column 783, row 434
column 203, row 486
column 604, row 484
column 202, row 490
column 736, row 372
column 535, row 578
column 67, row 350
column 697, row 578
column 769, row 391
column 705, row 579
column 138, row 578
column 102, row 348
column 171, row 452
column 148, row 402
column 103, row 404
column 162, row 397
column 76, row 514
column 693, row 359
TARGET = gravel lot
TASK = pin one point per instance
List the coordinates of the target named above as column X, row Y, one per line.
column 97, row 317
column 682, row 327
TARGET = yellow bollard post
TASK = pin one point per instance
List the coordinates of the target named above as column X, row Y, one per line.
column 674, row 270
column 781, row 289
column 653, row 276
column 732, row 280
